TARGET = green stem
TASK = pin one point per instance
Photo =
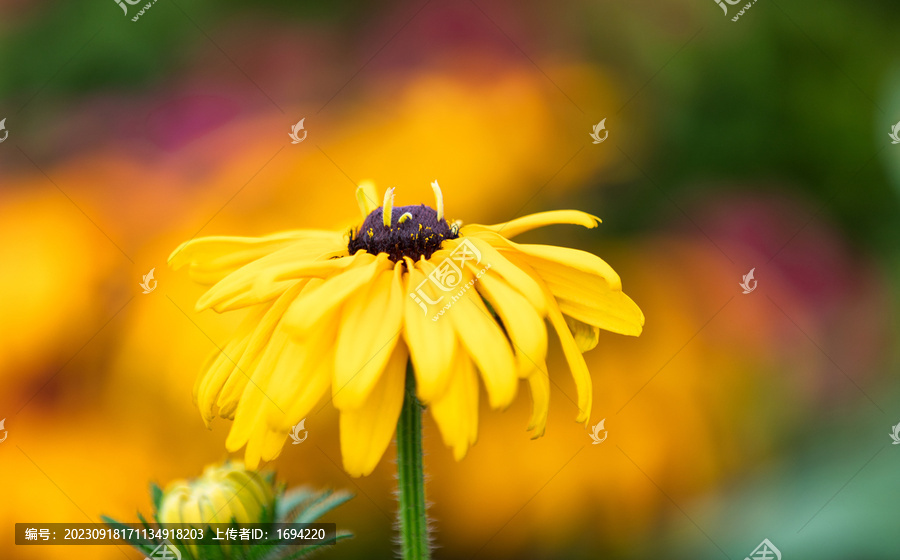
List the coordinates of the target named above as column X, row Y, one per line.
column 414, row 540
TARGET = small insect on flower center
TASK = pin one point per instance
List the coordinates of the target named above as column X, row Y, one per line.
column 404, row 231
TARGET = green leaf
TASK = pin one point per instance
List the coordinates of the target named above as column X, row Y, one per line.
column 291, row 500
column 156, row 495
column 323, row 506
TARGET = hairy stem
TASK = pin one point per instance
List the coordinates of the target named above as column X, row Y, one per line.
column 414, row 541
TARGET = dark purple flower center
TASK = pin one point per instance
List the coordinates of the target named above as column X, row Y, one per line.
column 415, row 232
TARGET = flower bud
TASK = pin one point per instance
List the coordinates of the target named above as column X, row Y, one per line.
column 224, row 493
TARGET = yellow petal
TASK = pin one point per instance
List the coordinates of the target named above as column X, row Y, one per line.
column 367, row 431
column 539, row 383
column 570, row 259
column 483, row 339
column 522, row 322
column 499, row 265
column 576, row 362
column 431, row 343
column 253, row 407
column 371, row 322
column 247, row 361
column 297, row 378
column 253, row 452
column 209, row 259
column 221, row 365
column 267, row 278
column 577, row 365
column 513, row 228
column 573, row 259
column 316, row 369
column 585, row 286
column 456, row 410
column 282, row 362
column 588, row 297
column 311, row 306
column 273, row 444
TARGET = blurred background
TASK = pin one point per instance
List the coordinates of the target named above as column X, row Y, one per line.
column 761, row 144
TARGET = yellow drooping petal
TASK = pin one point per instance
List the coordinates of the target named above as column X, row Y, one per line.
column 220, row 365
column 539, row 383
column 585, row 286
column 513, row 228
column 577, row 365
column 588, row 297
column 524, row 325
column 263, row 407
column 219, row 392
column 255, row 403
column 366, row 432
column 572, row 353
column 431, row 343
column 311, row 306
column 572, row 259
column 209, row 259
column 371, row 322
column 273, row 444
column 455, row 410
column 315, row 368
column 483, row 339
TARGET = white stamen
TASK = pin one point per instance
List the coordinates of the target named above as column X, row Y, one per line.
column 439, row 197
column 404, row 217
column 388, row 207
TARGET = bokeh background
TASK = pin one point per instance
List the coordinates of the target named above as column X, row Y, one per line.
column 761, row 143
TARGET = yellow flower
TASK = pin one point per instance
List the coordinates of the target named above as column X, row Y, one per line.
column 224, row 493
column 328, row 310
